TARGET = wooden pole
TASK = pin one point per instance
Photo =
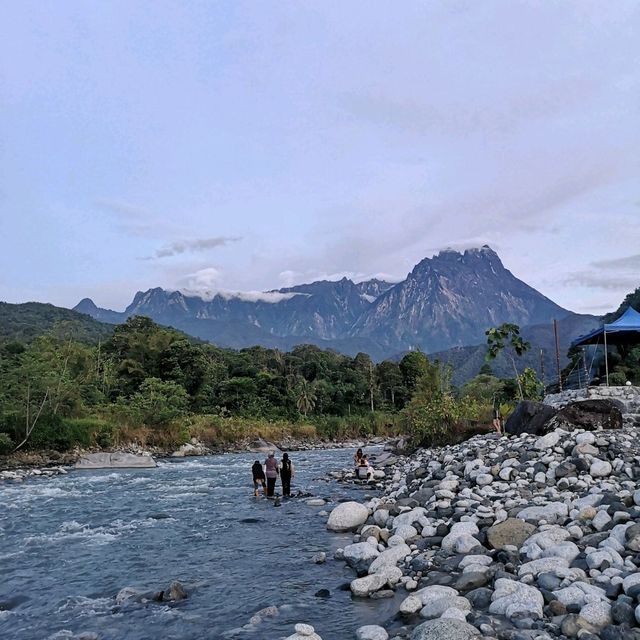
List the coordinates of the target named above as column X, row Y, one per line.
column 606, row 358
column 555, row 331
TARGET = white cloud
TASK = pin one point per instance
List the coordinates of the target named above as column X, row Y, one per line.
column 192, row 246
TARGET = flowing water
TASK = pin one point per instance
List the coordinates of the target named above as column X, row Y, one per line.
column 68, row 544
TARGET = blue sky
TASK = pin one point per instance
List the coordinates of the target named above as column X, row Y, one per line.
column 252, row 145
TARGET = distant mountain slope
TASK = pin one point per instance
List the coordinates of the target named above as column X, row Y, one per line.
column 87, row 306
column 631, row 300
column 467, row 361
column 450, row 300
column 446, row 301
column 24, row 322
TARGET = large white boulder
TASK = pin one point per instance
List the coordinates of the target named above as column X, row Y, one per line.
column 369, row 584
column 551, row 513
column 423, row 597
column 360, row 555
column 116, row 460
column 389, row 558
column 442, row 629
column 512, row 598
column 304, row 632
column 371, row 632
column 347, row 516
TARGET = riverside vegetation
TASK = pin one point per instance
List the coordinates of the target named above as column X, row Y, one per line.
column 155, row 386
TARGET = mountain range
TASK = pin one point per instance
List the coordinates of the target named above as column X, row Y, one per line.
column 446, row 302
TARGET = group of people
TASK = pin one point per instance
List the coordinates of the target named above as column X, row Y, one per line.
column 267, row 475
column 363, row 468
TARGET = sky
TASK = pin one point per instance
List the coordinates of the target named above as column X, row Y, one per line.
column 253, row 145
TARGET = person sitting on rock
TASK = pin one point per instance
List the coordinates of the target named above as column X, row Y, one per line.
column 272, row 470
column 357, row 458
column 368, row 467
column 362, row 470
column 258, row 478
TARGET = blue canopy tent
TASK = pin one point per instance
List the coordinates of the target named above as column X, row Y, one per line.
column 625, row 330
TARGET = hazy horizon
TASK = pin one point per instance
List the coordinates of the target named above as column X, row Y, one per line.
column 247, row 147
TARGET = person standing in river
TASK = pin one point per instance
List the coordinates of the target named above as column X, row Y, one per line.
column 258, row 478
column 272, row 470
column 287, row 472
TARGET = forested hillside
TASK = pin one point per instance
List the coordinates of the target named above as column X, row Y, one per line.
column 149, row 383
column 24, row 322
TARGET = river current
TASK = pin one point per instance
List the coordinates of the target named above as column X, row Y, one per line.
column 70, row 543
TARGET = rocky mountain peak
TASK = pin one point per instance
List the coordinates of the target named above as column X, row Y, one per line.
column 447, row 300
column 86, row 305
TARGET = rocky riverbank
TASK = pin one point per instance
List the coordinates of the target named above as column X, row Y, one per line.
column 504, row 538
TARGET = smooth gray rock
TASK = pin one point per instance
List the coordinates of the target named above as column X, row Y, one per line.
column 510, row 532
column 447, row 629
column 371, row 632
column 360, row 555
column 362, row 587
column 347, row 516
column 436, row 608
column 552, row 512
column 116, row 460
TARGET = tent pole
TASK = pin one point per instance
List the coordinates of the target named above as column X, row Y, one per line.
column 606, row 358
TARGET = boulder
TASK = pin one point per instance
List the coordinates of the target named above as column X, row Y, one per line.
column 511, row 532
column 389, row 558
column 304, row 632
column 363, row 587
column 424, row 597
column 360, row 555
column 436, row 608
column 529, row 417
column 347, row 516
column 262, row 446
column 445, row 629
column 371, row 632
column 551, row 513
column 116, row 460
column 591, row 415
column 512, row 598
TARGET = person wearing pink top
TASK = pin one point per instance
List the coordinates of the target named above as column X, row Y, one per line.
column 272, row 470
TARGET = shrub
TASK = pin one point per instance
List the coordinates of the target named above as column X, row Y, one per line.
column 160, row 402
column 432, row 421
column 617, row 379
column 6, row 444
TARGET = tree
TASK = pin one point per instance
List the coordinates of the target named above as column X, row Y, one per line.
column 390, row 381
column 305, row 397
column 160, row 402
column 486, row 389
column 507, row 339
column 530, row 385
column 413, row 366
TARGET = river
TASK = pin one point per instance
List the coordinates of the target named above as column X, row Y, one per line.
column 70, row 543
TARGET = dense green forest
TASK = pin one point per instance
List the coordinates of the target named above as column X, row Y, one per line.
column 86, row 385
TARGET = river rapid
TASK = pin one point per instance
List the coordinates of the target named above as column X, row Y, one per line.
column 69, row 544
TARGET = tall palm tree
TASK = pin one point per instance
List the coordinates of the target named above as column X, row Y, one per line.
column 305, row 397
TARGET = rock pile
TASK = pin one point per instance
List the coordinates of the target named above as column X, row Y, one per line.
column 509, row 538
column 18, row 475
